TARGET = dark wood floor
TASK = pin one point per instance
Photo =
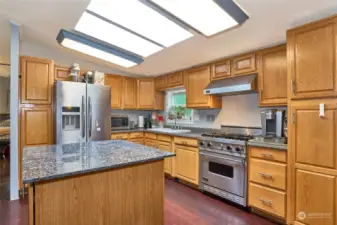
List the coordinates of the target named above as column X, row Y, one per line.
column 183, row 206
column 4, row 179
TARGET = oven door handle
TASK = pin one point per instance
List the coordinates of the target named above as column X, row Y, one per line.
column 220, row 157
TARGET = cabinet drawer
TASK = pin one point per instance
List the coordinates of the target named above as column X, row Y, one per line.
column 150, row 136
column 267, row 199
column 119, row 136
column 135, row 135
column 185, row 141
column 268, row 173
column 162, row 137
column 268, row 154
column 137, row 140
column 150, row 143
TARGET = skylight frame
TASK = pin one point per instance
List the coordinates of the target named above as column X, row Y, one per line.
column 99, row 45
column 165, row 23
column 109, row 32
column 228, row 6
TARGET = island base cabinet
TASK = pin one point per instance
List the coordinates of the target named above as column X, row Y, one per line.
column 187, row 163
column 124, row 196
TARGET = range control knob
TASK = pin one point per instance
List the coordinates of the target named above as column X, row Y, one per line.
column 229, row 148
column 237, row 149
column 201, row 143
column 209, row 145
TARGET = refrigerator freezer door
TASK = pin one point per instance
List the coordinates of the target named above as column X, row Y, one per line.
column 98, row 112
column 70, row 112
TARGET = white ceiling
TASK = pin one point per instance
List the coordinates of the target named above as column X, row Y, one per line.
column 41, row 21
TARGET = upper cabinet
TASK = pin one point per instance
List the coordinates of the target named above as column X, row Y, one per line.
column 61, row 73
column 273, row 76
column 175, row 79
column 148, row 97
column 244, row 64
column 129, row 93
column 196, row 80
column 221, row 69
column 161, row 82
column 116, row 84
column 37, row 79
column 312, row 53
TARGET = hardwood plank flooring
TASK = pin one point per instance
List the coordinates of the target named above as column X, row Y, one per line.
column 4, row 179
column 183, row 206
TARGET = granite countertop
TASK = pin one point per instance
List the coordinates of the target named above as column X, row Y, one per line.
column 57, row 161
column 191, row 134
column 266, row 144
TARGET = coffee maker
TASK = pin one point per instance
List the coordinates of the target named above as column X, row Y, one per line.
column 273, row 124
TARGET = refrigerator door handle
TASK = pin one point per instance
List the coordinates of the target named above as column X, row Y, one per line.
column 90, row 117
column 83, row 117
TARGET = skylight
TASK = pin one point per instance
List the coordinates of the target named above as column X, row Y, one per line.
column 141, row 19
column 112, row 34
column 206, row 16
column 97, row 53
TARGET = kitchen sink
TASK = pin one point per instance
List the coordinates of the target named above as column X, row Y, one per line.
column 169, row 130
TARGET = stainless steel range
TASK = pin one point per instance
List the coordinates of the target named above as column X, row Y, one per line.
column 223, row 162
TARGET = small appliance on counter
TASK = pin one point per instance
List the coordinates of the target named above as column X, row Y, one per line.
column 141, row 121
column 273, row 126
column 119, row 122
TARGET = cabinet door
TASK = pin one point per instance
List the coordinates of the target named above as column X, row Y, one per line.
column 244, row 64
column 36, row 126
column 166, row 146
column 315, row 198
column 273, row 76
column 146, row 94
column 36, row 80
column 61, row 73
column 129, row 95
column 161, row 82
column 175, row 79
column 196, row 81
column 116, row 84
column 160, row 100
column 187, row 163
column 313, row 138
column 312, row 59
column 221, row 69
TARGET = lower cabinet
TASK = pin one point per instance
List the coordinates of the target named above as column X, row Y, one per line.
column 137, row 141
column 187, row 163
column 150, row 143
column 119, row 136
column 316, row 198
column 166, row 146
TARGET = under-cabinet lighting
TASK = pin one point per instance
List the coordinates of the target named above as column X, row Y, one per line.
column 112, row 34
column 98, row 49
column 206, row 16
column 138, row 17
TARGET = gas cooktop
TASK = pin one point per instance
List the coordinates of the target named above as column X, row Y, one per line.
column 232, row 136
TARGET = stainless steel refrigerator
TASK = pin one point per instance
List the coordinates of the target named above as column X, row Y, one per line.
column 82, row 112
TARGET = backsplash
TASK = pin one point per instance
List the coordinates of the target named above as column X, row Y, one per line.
column 132, row 114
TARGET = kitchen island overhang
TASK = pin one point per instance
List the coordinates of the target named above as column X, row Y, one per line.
column 105, row 182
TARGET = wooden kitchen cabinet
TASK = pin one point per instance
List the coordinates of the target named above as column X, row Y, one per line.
column 150, row 143
column 129, row 94
column 36, row 128
column 187, row 163
column 273, row 76
column 221, row 69
column 161, row 82
column 315, row 195
column 116, row 84
column 119, row 136
column 244, row 64
column 37, row 77
column 313, row 139
column 166, row 146
column 196, row 80
column 148, row 97
column 175, row 79
column 61, row 73
column 312, row 53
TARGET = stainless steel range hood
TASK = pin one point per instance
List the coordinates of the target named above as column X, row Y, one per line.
column 233, row 86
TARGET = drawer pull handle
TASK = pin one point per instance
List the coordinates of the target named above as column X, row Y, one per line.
column 185, row 142
column 268, row 156
column 266, row 202
column 264, row 175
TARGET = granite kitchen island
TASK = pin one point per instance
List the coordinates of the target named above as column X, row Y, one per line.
column 104, row 182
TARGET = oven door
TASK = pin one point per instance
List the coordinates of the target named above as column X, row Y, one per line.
column 223, row 172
